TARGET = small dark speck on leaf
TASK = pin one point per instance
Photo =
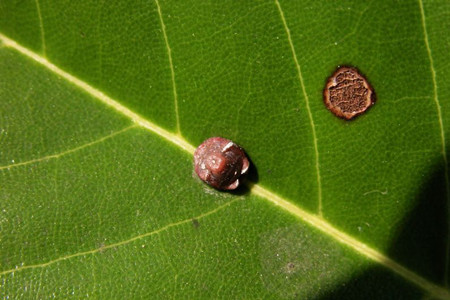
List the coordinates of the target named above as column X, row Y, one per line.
column 290, row 267
column 195, row 223
column 101, row 248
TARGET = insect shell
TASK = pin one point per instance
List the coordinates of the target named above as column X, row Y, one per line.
column 347, row 93
column 219, row 162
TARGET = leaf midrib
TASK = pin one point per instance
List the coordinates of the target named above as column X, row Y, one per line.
column 255, row 189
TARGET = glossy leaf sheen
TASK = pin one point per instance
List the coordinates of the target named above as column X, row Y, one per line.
column 94, row 204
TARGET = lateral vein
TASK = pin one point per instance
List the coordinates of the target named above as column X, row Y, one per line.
column 308, row 109
column 442, row 133
column 121, row 243
column 172, row 70
column 52, row 156
column 176, row 139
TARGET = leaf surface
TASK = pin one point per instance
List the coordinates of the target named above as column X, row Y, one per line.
column 103, row 104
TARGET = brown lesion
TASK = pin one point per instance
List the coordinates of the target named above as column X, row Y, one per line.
column 347, row 93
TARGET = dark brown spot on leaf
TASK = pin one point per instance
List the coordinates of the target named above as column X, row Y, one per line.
column 219, row 162
column 290, row 267
column 195, row 223
column 347, row 93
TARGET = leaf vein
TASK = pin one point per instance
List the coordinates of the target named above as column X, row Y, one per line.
column 172, row 70
column 442, row 133
column 58, row 155
column 360, row 247
column 121, row 243
column 308, row 109
column 41, row 26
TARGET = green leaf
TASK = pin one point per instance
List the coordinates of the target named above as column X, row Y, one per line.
column 103, row 104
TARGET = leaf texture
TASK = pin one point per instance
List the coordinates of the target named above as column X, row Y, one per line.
column 102, row 105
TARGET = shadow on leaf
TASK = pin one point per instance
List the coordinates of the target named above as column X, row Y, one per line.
column 248, row 181
column 420, row 245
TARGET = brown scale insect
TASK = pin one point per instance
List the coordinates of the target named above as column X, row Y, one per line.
column 348, row 93
column 219, row 162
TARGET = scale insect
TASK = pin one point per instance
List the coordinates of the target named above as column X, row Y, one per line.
column 220, row 162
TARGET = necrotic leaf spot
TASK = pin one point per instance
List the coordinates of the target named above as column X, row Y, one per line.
column 348, row 93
